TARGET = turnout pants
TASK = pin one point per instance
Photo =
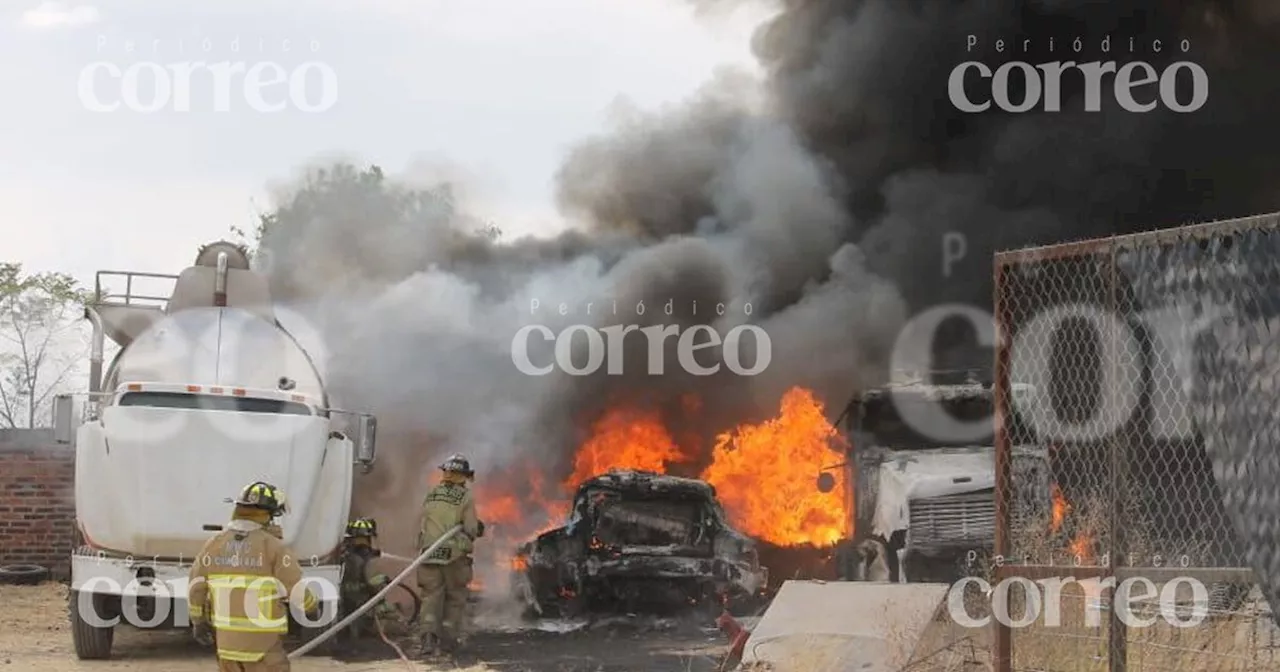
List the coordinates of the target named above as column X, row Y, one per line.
column 276, row 660
column 444, row 597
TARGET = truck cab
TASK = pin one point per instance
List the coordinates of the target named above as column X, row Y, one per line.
column 208, row 392
column 924, row 490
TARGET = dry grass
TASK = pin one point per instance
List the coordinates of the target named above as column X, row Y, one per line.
column 35, row 637
column 1244, row 639
column 1222, row 643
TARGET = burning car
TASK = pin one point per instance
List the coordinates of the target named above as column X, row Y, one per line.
column 637, row 536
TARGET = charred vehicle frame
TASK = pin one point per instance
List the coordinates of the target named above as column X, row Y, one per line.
column 638, row 539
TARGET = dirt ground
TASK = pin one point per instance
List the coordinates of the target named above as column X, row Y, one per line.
column 35, row 637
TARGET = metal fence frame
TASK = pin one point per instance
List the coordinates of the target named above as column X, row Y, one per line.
column 1108, row 247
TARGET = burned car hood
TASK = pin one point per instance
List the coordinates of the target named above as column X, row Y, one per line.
column 643, row 513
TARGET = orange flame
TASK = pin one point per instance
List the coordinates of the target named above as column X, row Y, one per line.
column 624, row 439
column 1082, row 547
column 765, row 476
column 1061, row 507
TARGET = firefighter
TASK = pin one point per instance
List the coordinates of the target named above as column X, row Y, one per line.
column 444, row 576
column 241, row 583
column 359, row 582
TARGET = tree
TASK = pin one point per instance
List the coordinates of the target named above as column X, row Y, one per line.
column 364, row 196
column 40, row 344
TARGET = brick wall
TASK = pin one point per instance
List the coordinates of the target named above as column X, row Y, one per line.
column 37, row 504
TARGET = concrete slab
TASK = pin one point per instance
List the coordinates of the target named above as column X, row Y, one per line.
column 818, row 626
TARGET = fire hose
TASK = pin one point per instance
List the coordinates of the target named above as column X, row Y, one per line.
column 377, row 620
column 324, row 636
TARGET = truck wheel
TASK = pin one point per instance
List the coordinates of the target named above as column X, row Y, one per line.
column 866, row 560
column 308, row 633
column 326, row 648
column 846, row 561
column 91, row 642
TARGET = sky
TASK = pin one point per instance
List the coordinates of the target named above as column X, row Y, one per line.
column 495, row 90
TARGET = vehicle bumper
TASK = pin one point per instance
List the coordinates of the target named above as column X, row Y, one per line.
column 710, row 570
column 165, row 583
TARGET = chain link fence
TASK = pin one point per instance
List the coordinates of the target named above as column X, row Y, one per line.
column 1149, row 366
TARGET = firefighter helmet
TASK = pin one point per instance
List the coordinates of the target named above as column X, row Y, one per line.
column 457, row 464
column 262, row 495
column 362, row 527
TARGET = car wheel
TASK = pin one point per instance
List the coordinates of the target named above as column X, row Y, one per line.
column 572, row 606
column 23, row 575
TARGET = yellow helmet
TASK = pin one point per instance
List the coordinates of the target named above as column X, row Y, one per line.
column 262, row 495
column 362, row 527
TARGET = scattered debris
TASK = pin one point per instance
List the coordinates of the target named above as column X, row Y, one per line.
column 737, row 640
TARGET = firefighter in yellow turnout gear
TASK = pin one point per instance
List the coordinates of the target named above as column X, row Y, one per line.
column 444, row 576
column 359, row 582
column 241, row 584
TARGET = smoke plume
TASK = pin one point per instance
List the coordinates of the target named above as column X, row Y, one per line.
column 820, row 196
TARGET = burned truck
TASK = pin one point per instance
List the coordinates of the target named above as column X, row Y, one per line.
column 924, row 495
column 638, row 540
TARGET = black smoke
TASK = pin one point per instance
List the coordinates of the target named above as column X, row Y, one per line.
column 863, row 84
column 820, row 194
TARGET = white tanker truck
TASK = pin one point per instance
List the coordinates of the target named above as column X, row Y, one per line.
column 209, row 392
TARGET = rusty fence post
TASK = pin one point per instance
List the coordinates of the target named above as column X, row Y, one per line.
column 1002, row 640
column 1118, row 634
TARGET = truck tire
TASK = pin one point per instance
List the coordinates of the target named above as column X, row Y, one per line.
column 306, row 634
column 23, row 575
column 846, row 561
column 91, row 642
column 866, row 560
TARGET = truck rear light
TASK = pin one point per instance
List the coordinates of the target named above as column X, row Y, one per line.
column 239, row 392
column 193, row 388
column 134, row 387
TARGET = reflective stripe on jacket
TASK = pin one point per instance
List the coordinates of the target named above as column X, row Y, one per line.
column 446, row 505
column 241, row 582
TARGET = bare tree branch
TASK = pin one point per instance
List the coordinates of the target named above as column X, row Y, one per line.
column 37, row 354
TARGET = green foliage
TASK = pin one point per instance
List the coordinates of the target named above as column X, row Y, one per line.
column 38, row 350
column 52, row 286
